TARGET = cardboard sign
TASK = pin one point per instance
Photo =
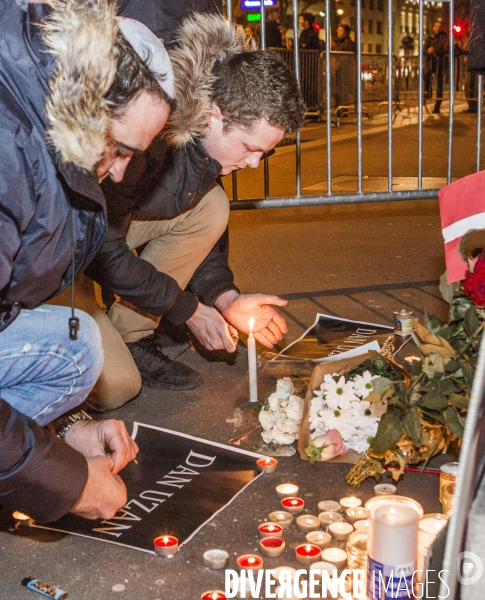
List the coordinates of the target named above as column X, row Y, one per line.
column 179, row 484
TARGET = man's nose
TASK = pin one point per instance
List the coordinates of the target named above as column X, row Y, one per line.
column 253, row 160
column 118, row 168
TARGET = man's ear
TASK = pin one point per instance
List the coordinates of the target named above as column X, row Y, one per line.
column 215, row 114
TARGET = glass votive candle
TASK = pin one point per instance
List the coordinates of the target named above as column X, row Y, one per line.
column 428, row 528
column 281, row 517
column 318, row 538
column 340, row 530
column 166, row 545
column 272, row 546
column 266, row 465
column 328, row 517
column 306, row 554
column 448, row 498
column 286, row 490
column 306, row 523
column 384, row 489
column 356, row 514
column 270, row 530
column 213, row 595
column 357, row 550
column 250, row 562
column 329, row 505
column 336, row 556
column 293, row 505
column 216, row 559
column 361, row 525
column 350, row 502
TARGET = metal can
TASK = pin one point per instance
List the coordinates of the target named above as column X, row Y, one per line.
column 448, row 473
column 403, row 322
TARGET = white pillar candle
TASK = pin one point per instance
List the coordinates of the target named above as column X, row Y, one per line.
column 306, row 523
column 318, row 538
column 350, row 502
column 253, row 377
column 340, row 531
column 336, row 556
column 285, row 490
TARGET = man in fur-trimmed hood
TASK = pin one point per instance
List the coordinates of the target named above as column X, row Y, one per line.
column 233, row 107
column 74, row 89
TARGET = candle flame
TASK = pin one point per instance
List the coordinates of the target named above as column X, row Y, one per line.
column 251, row 323
column 308, row 547
column 165, row 539
column 251, row 560
column 270, row 528
column 267, row 461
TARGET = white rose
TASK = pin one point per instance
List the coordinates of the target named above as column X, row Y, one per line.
column 285, row 388
column 267, row 436
column 282, row 438
column 274, row 401
column 266, row 418
column 294, row 410
column 288, row 426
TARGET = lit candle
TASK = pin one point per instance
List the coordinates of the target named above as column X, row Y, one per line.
column 318, row 538
column 216, row 559
column 283, row 574
column 270, row 530
column 166, row 545
column 384, row 489
column 250, row 562
column 356, row 514
column 253, row 378
column 340, row 531
column 336, row 556
column 266, row 465
column 361, row 525
column 428, row 528
column 350, row 502
column 320, row 566
column 22, row 519
column 328, row 517
column 272, row 546
column 329, row 506
column 293, row 505
column 285, row 490
column 306, row 554
column 213, row 595
column 306, row 523
column 281, row 517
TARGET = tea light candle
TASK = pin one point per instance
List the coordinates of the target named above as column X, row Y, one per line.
column 361, row 525
column 216, row 559
column 270, row 530
column 318, row 538
column 329, row 517
column 329, row 505
column 335, row 556
column 356, row 514
column 350, row 502
column 213, row 595
column 283, row 518
column 384, row 489
column 286, row 490
column 250, row 562
column 306, row 554
column 266, row 465
column 293, row 505
column 306, row 523
column 320, row 566
column 22, row 520
column 340, row 531
column 283, row 574
column 272, row 546
column 166, row 545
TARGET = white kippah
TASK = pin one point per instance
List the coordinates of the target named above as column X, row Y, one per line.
column 151, row 50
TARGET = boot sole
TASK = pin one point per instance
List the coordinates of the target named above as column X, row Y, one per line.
column 162, row 385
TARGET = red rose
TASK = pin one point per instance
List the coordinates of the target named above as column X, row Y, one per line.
column 474, row 286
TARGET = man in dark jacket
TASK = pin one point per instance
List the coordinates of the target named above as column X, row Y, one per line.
column 69, row 117
column 308, row 39
column 232, row 107
column 436, row 49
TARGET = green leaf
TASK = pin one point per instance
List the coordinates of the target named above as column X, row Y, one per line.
column 453, row 421
column 446, row 386
column 452, row 366
column 388, row 433
column 257, row 407
column 459, row 401
column 434, row 401
column 416, row 368
column 412, row 426
column 381, row 385
column 471, row 320
column 468, row 373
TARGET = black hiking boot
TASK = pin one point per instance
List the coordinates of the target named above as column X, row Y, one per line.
column 157, row 370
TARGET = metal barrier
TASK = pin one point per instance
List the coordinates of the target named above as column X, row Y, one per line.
column 330, row 80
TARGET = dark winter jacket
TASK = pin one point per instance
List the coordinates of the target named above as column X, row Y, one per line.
column 309, row 39
column 42, row 189
column 343, row 44
column 476, row 56
column 171, row 177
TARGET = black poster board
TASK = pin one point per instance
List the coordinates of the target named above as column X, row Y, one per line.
column 179, row 484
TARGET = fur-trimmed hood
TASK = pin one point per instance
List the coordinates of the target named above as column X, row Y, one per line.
column 80, row 35
column 201, row 41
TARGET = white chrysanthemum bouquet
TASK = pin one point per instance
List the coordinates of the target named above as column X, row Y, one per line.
column 281, row 413
column 340, row 406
